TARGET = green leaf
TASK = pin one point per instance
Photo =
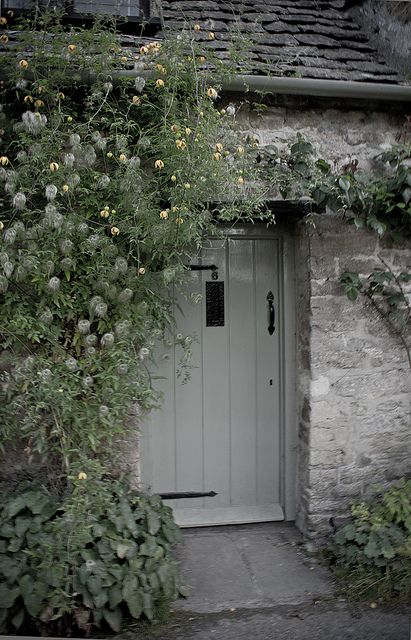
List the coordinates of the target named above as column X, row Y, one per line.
column 8, row 595
column 16, row 505
column 128, row 517
column 18, row 619
column 135, row 605
column 115, row 596
column 130, row 587
column 100, row 599
column 113, row 619
column 344, row 183
column 148, row 608
column 122, row 549
column 94, row 584
column 34, row 598
column 149, row 548
column 21, row 525
column 352, row 293
column 153, row 522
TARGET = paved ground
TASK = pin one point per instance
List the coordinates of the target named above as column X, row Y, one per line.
column 254, row 582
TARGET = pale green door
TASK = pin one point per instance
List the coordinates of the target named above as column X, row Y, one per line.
column 221, row 430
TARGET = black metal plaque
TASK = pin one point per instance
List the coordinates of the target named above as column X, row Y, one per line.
column 215, row 304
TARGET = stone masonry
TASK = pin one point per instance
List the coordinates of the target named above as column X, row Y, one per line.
column 353, row 378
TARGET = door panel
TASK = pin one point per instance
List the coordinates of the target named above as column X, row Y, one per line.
column 220, row 430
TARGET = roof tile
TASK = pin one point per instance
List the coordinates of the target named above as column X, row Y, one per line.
column 310, row 38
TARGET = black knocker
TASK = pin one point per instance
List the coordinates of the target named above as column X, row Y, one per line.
column 271, row 311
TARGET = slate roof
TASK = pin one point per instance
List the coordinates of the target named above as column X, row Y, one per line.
column 302, row 38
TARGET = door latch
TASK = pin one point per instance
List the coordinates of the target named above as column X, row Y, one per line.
column 271, row 312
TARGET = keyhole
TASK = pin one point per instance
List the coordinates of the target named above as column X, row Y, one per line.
column 271, row 382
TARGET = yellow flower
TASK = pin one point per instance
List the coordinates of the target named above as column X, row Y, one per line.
column 104, row 213
column 39, row 103
column 71, row 48
column 201, row 114
column 60, row 95
column 175, row 128
column 240, row 180
column 240, row 150
column 219, row 147
column 164, row 214
column 223, row 112
column 109, row 154
column 54, row 166
column 143, row 50
column 179, row 220
column 28, row 99
column 123, row 59
column 173, row 178
column 23, row 64
column 212, row 93
column 159, row 83
column 141, row 271
column 211, row 35
column 197, row 28
column 65, row 188
column 159, row 164
column 4, row 38
column 3, row 20
column 202, row 59
column 122, row 157
column 188, row 131
column 136, row 100
column 82, row 476
column 4, row 161
column 40, row 89
column 181, row 144
column 114, row 231
column 69, row 119
column 113, row 211
column 1, row 226
column 161, row 69
column 187, row 185
column 217, row 156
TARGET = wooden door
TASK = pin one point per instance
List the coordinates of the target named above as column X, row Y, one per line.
column 221, row 430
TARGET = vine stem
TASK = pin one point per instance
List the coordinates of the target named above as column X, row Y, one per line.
column 390, row 325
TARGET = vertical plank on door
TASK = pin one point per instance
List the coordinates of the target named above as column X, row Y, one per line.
column 159, row 432
column 268, row 397
column 216, row 391
column 242, row 372
column 188, row 400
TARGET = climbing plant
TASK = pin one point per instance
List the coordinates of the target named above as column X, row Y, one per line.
column 108, row 184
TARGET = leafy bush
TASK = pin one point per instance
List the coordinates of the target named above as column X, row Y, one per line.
column 372, row 553
column 82, row 563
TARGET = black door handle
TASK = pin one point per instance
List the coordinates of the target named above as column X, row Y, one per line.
column 271, row 310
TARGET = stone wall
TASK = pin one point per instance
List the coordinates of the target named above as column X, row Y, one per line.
column 354, row 377
column 353, row 392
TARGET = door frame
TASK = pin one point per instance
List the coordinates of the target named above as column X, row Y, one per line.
column 286, row 316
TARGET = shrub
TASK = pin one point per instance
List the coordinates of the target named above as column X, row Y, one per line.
column 372, row 553
column 100, row 555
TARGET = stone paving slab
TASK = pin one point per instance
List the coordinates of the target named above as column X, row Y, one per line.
column 270, row 624
column 248, row 566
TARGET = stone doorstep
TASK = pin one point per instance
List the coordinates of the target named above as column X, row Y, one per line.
column 248, row 566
